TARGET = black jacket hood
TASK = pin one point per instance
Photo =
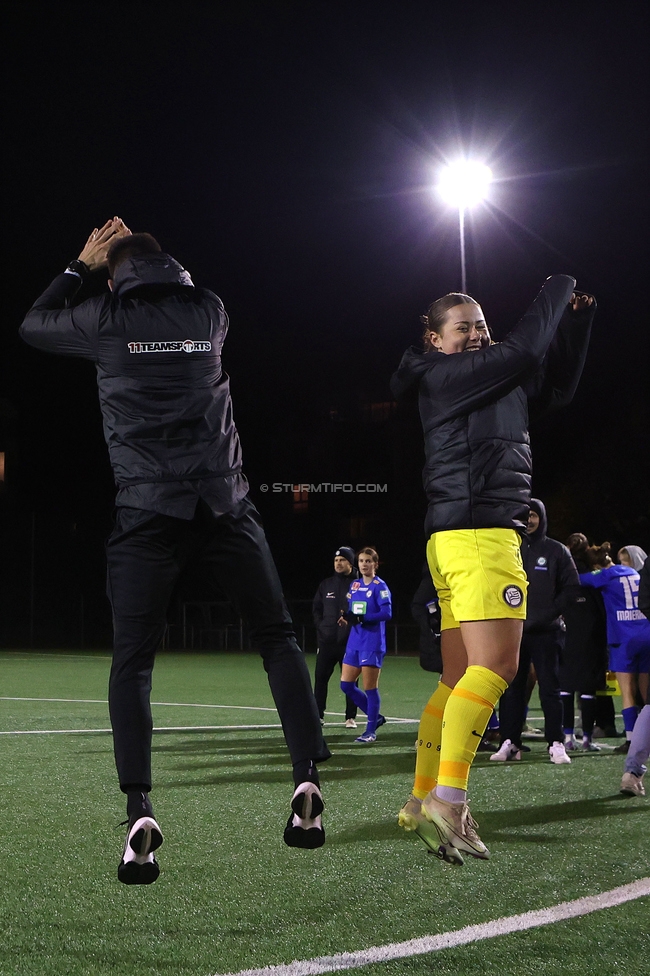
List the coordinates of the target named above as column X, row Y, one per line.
column 412, row 368
column 147, row 270
column 540, row 532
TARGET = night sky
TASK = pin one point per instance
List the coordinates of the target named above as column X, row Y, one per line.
column 285, row 153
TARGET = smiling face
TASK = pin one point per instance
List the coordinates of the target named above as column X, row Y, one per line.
column 464, row 330
column 533, row 522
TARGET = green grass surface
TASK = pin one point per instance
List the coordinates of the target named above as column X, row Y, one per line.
column 231, row 895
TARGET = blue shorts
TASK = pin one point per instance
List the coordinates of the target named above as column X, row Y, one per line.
column 359, row 657
column 632, row 657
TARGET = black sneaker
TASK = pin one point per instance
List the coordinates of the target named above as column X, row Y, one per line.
column 381, row 720
column 304, row 828
column 138, row 864
column 624, row 747
column 486, row 746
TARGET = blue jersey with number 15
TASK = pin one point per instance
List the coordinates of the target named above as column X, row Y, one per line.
column 619, row 586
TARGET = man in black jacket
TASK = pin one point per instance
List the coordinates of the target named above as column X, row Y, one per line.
column 329, row 608
column 551, row 576
column 156, row 340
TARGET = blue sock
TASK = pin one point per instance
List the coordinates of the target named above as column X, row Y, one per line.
column 493, row 721
column 358, row 697
column 629, row 718
column 372, row 696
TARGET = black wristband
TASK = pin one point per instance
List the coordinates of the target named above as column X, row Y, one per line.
column 78, row 268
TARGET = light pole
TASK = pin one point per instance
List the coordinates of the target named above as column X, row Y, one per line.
column 463, row 184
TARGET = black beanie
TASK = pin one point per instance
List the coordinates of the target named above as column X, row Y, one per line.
column 346, row 553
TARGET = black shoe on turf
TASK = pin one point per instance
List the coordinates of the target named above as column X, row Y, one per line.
column 486, row 746
column 304, row 828
column 138, row 864
column 624, row 747
column 381, row 720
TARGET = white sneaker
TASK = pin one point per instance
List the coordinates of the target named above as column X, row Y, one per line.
column 139, row 865
column 350, row 723
column 557, row 754
column 304, row 826
column 506, row 753
column 571, row 743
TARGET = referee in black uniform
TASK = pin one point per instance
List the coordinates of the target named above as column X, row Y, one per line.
column 156, row 340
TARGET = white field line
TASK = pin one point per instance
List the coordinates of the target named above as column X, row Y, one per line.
column 181, row 728
column 168, row 728
column 20, row 656
column 162, row 728
column 448, row 940
column 245, row 708
column 103, row 701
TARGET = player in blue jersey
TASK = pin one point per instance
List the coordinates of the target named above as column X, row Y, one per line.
column 369, row 607
column 628, row 630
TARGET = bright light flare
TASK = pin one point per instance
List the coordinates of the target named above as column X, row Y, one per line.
column 464, row 183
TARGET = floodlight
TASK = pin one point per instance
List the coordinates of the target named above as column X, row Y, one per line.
column 464, row 183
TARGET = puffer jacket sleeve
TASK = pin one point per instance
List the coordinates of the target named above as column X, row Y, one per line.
column 317, row 606
column 555, row 383
column 52, row 326
column 461, row 384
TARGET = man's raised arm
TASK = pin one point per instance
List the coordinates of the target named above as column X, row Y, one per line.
column 51, row 324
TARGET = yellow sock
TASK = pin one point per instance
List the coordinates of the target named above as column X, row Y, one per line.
column 467, row 713
column 429, row 732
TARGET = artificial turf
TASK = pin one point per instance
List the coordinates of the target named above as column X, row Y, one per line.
column 231, row 896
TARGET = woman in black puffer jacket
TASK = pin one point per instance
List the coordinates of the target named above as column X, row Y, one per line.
column 477, row 474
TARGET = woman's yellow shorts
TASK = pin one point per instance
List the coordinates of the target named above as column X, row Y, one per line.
column 478, row 575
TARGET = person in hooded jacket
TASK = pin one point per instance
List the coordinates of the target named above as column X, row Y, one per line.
column 633, row 556
column 329, row 607
column 473, row 399
column 156, row 340
column 583, row 667
column 552, row 583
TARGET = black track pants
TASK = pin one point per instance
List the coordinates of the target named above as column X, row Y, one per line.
column 544, row 651
column 145, row 554
column 329, row 655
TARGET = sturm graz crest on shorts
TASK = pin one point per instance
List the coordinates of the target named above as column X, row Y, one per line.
column 513, row 596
